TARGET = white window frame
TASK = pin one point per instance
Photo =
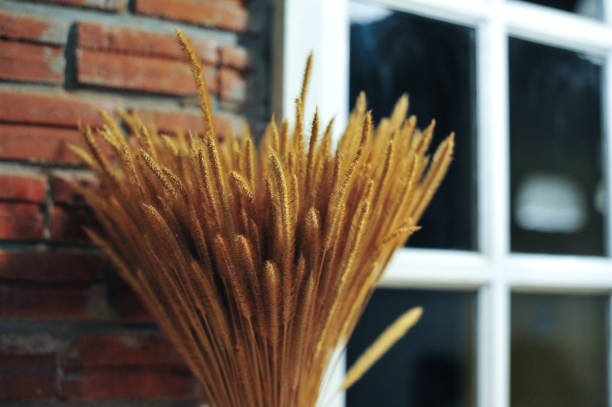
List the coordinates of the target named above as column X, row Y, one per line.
column 492, row 271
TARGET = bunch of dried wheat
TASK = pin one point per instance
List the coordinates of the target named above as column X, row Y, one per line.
column 257, row 263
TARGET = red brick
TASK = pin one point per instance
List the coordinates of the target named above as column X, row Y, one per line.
column 54, row 109
column 132, row 383
column 124, row 349
column 112, row 5
column 228, row 15
column 20, row 221
column 51, row 266
column 235, row 57
column 232, row 86
column 224, row 125
column 31, row 62
column 67, row 223
column 34, row 143
column 22, row 187
column 27, row 27
column 63, row 191
column 169, row 121
column 27, row 377
column 228, row 122
column 141, row 73
column 130, row 308
column 126, row 40
column 58, row 301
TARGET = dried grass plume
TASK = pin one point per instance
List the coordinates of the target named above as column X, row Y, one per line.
column 258, row 261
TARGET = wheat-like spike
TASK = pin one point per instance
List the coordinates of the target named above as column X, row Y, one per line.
column 200, row 81
column 312, row 238
column 224, row 259
column 403, row 231
column 108, row 136
column 209, row 192
column 302, row 325
column 213, row 305
column 243, row 187
column 147, row 140
column 273, row 301
column 130, row 120
column 170, row 144
column 284, row 139
column 218, row 177
column 245, row 253
column 274, row 134
column 97, row 154
column 176, row 183
column 441, row 161
column 85, row 157
column 249, row 152
column 282, row 187
column 298, row 140
column 380, row 346
column 427, row 137
column 159, row 173
column 199, row 239
column 109, row 121
column 306, row 79
column 311, row 154
column 399, row 112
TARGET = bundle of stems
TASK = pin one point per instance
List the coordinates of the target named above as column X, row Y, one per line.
column 258, row 262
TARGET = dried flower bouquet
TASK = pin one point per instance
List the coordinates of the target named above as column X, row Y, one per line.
column 258, row 262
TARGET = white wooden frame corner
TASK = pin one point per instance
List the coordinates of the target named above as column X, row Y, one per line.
column 493, row 272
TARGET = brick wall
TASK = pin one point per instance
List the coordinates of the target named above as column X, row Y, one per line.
column 71, row 332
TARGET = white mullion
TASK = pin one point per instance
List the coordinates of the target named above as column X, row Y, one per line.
column 607, row 178
column 586, row 266
column 609, row 359
column 607, row 12
column 499, row 324
column 494, row 146
column 491, row 132
column 557, row 28
column 484, row 347
column 467, row 12
column 607, row 155
column 566, row 284
column 321, row 27
column 436, row 268
column 494, row 304
column 524, row 20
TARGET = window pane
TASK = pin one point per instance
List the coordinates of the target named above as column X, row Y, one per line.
column 392, row 53
column 556, row 180
column 433, row 365
column 558, row 355
column 587, row 8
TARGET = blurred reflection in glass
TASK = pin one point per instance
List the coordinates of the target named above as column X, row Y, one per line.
column 558, row 355
column 392, row 53
column 433, row 365
column 556, row 176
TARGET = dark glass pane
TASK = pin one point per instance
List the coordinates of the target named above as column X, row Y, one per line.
column 558, row 355
column 587, row 8
column 393, row 53
column 433, row 365
column 556, row 177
